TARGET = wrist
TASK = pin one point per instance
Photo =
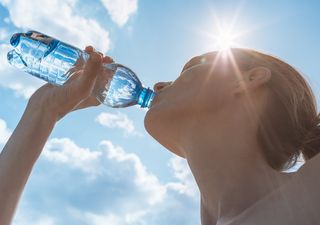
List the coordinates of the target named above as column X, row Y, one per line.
column 40, row 113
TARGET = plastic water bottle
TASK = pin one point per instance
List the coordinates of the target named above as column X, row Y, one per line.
column 55, row 62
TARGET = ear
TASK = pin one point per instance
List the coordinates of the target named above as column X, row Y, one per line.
column 253, row 79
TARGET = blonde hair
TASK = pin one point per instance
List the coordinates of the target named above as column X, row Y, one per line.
column 290, row 124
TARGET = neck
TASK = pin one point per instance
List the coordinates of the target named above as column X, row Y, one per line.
column 229, row 170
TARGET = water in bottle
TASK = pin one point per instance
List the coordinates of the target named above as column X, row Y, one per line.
column 55, row 62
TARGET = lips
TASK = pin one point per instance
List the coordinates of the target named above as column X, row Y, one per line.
column 155, row 98
column 159, row 93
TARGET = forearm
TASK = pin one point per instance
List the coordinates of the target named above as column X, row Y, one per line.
column 18, row 157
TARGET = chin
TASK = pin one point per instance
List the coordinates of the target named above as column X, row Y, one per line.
column 150, row 122
column 161, row 128
column 157, row 119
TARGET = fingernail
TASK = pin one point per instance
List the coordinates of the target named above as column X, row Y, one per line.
column 89, row 49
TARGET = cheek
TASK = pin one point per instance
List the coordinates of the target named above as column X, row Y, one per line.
column 188, row 97
column 214, row 95
column 204, row 87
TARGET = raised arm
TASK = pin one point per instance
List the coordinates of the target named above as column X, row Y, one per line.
column 18, row 157
column 45, row 107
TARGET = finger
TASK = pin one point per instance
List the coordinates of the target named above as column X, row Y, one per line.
column 80, row 61
column 89, row 49
column 90, row 72
column 108, row 59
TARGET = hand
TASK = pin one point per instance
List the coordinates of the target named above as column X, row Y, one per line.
column 76, row 93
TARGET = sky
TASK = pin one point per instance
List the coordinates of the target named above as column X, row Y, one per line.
column 99, row 165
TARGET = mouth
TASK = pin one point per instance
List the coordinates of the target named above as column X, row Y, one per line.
column 154, row 100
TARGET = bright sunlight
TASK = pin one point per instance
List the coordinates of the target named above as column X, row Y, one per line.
column 222, row 32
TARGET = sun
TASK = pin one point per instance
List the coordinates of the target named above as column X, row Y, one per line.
column 224, row 36
column 220, row 33
column 225, row 40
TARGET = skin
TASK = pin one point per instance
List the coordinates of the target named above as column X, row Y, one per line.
column 213, row 125
column 208, row 116
column 45, row 107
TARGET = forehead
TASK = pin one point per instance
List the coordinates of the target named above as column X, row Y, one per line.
column 241, row 58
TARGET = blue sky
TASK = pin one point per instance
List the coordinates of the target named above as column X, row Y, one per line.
column 99, row 165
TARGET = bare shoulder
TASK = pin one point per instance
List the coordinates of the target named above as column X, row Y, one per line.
column 295, row 203
column 310, row 171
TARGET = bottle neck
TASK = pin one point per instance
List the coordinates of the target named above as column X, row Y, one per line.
column 145, row 98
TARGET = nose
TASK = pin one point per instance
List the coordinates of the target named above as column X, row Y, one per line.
column 160, row 85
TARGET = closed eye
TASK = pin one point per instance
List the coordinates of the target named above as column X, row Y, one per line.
column 202, row 59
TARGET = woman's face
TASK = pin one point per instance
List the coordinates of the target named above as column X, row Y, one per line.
column 204, row 88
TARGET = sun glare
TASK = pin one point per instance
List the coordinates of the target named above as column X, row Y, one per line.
column 224, row 41
column 224, row 36
column 221, row 33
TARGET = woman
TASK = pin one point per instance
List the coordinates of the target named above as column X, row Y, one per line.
column 239, row 118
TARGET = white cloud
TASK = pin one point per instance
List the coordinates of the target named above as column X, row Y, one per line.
column 118, row 120
column 121, row 10
column 4, row 133
column 185, row 183
column 58, row 18
column 111, row 218
column 4, row 35
column 39, row 220
column 66, row 151
column 147, row 182
column 103, row 219
column 123, row 191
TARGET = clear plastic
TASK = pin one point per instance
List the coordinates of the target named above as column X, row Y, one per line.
column 55, row 62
